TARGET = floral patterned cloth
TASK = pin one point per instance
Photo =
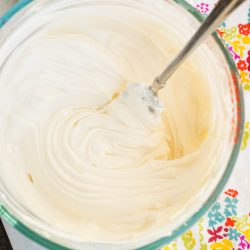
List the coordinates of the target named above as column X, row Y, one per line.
column 227, row 225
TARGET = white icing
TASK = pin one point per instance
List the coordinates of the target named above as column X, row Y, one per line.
column 102, row 166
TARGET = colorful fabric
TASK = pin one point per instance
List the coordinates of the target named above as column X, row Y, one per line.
column 223, row 228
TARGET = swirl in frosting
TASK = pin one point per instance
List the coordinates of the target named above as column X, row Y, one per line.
column 98, row 165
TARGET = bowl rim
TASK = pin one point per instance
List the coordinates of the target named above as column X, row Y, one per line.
column 26, row 231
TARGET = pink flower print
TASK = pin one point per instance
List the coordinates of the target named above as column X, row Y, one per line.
column 235, row 55
column 244, row 244
column 203, row 8
column 215, row 233
column 248, row 60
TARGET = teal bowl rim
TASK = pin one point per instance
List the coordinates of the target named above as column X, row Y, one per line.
column 9, row 218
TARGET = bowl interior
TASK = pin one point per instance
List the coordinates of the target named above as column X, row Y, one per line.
column 28, row 14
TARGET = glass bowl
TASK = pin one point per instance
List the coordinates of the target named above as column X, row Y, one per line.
column 42, row 233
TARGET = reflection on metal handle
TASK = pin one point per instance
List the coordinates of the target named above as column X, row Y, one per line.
column 216, row 17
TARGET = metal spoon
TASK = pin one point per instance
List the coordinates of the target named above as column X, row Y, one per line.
column 217, row 16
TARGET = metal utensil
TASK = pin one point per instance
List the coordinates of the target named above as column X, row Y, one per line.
column 217, row 16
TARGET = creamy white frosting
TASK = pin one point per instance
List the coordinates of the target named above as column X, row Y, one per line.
column 88, row 161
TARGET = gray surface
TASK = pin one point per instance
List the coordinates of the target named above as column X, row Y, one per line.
column 20, row 242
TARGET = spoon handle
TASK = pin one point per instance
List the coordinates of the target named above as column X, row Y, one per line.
column 216, row 17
